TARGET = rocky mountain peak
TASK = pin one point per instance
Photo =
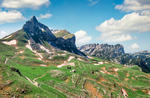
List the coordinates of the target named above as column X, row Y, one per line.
column 34, row 20
column 40, row 33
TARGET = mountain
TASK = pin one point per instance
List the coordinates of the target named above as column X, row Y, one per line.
column 141, row 59
column 41, row 33
column 146, row 53
column 116, row 53
column 36, row 62
column 104, row 51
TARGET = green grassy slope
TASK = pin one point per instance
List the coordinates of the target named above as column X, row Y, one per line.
column 64, row 34
column 85, row 79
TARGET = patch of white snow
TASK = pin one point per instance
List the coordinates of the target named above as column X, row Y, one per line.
column 8, row 37
column 12, row 42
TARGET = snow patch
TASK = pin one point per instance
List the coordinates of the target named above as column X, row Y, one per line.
column 99, row 63
column 55, row 31
column 29, row 47
column 61, row 54
column 70, row 58
column 149, row 92
column 43, row 65
column 43, row 48
column 116, row 69
column 66, row 62
column 39, row 58
column 32, row 82
column 90, row 57
column 8, row 37
column 102, row 71
column 42, row 29
column 21, row 51
column 12, row 42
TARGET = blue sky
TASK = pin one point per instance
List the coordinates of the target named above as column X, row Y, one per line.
column 92, row 21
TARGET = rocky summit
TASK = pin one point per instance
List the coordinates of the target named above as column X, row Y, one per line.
column 117, row 54
column 40, row 33
column 104, row 51
column 37, row 31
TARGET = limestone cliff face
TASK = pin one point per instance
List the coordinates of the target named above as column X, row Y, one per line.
column 103, row 50
column 116, row 53
column 142, row 59
column 41, row 33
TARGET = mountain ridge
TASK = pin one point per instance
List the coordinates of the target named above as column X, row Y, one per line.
column 117, row 54
column 41, row 34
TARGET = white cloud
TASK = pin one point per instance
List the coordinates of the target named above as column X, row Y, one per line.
column 10, row 16
column 145, row 12
column 134, row 5
column 3, row 34
column 93, row 2
column 119, row 30
column 116, row 38
column 135, row 46
column 82, row 37
column 24, row 3
column 44, row 16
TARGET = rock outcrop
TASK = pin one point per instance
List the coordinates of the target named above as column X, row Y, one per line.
column 141, row 59
column 37, row 31
column 116, row 53
column 104, row 51
column 41, row 33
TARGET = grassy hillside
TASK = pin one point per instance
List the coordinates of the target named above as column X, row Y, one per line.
column 64, row 34
column 21, row 75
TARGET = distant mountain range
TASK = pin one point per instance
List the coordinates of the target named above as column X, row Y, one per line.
column 116, row 53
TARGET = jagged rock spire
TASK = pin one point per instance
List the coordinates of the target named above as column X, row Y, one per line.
column 34, row 20
column 38, row 31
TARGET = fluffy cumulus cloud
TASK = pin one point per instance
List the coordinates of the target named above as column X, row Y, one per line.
column 3, row 34
column 44, row 16
column 135, row 46
column 10, row 16
column 134, row 5
column 113, row 30
column 24, row 3
column 82, row 37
